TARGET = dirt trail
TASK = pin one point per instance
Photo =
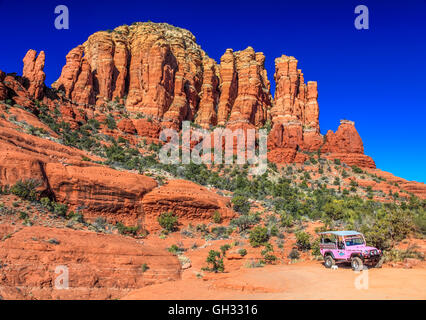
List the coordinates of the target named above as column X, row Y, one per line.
column 298, row 281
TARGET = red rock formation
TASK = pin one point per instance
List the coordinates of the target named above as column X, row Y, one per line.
column 295, row 104
column 33, row 73
column 146, row 128
column 189, row 201
column 206, row 114
column 83, row 88
column 3, row 88
column 100, row 190
column 100, row 266
column 159, row 71
column 253, row 98
column 20, row 94
column 229, row 86
column 127, row 126
column 346, row 145
column 346, row 139
column 396, row 184
column 70, row 72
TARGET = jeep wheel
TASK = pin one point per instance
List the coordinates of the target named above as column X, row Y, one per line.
column 356, row 264
column 328, row 261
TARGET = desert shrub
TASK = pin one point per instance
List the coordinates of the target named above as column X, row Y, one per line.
column 242, row 252
column 175, row 249
column 26, row 189
column 23, row 215
column 255, row 264
column 220, row 232
column 57, row 208
column 4, row 189
column 244, row 222
column 110, row 122
column 337, row 162
column 144, row 267
column 336, row 181
column 303, row 241
column 356, row 169
column 60, row 209
column 127, row 230
column 294, row 254
column 100, row 223
column 214, row 262
column 395, row 255
column 241, row 204
column 225, row 248
column 269, row 258
column 334, row 209
column 217, row 218
column 258, row 236
column 286, row 221
column 202, row 228
column 168, row 221
column 420, row 222
column 389, row 227
column 316, row 248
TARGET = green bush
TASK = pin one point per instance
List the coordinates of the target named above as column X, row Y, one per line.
column 127, row 230
column 168, row 221
column 23, row 215
column 244, row 222
column 175, row 249
column 269, row 258
column 217, row 218
column 356, row 169
column 316, row 248
column 144, row 267
column 241, row 204
column 225, row 248
column 26, row 189
column 258, row 236
column 286, row 221
column 294, row 254
column 303, row 241
column 214, row 262
column 242, row 252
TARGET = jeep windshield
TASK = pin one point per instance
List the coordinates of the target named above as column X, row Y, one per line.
column 354, row 241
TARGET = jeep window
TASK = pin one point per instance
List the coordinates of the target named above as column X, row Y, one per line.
column 355, row 241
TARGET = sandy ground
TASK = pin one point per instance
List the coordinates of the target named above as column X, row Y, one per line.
column 308, row 280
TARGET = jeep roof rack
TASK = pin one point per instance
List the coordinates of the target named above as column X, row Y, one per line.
column 341, row 233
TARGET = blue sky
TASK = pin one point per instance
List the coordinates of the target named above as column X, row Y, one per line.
column 376, row 77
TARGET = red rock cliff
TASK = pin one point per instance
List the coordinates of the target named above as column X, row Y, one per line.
column 160, row 72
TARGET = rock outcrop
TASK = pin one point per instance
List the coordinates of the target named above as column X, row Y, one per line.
column 3, row 88
column 33, row 73
column 253, row 98
column 97, row 190
column 346, row 144
column 99, row 266
column 162, row 77
column 100, row 191
column 295, row 114
column 191, row 202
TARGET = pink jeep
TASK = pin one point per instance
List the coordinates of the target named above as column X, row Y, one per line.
column 348, row 246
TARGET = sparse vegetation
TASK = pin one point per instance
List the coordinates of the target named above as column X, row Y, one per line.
column 168, row 221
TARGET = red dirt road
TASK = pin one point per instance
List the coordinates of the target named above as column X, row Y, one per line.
column 298, row 281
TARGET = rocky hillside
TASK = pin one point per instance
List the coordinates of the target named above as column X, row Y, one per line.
column 157, row 71
column 81, row 159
